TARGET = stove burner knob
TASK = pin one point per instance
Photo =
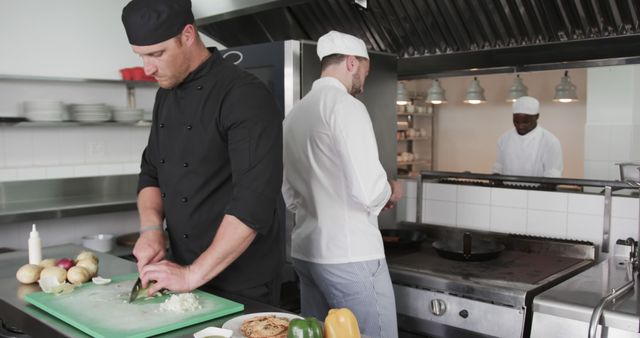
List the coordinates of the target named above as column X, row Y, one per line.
column 438, row 307
column 464, row 313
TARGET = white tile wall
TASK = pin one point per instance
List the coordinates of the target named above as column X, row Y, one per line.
column 3, row 152
column 473, row 216
column 410, row 188
column 25, row 174
column 440, row 192
column 546, row 223
column 510, row 220
column 38, row 152
column 19, row 147
column 509, row 197
column 46, row 147
column 585, row 227
column 586, row 204
column 597, row 169
column 625, row 207
column 541, row 213
column 29, row 153
column 8, row 175
column 597, row 139
column 59, row 172
column 406, row 210
column 622, row 228
column 545, row 200
column 620, row 144
column 439, row 212
column 476, row 195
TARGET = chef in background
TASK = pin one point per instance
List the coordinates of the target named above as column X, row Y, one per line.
column 528, row 149
column 334, row 182
column 212, row 168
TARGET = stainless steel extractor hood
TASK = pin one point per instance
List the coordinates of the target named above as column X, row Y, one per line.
column 440, row 36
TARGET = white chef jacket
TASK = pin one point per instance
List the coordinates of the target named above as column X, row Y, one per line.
column 537, row 153
column 333, row 179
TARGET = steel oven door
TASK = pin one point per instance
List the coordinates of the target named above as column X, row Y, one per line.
column 443, row 315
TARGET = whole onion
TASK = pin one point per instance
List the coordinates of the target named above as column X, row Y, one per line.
column 65, row 263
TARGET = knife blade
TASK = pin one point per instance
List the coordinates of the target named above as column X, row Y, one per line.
column 135, row 290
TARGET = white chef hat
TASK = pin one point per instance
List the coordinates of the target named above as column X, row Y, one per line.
column 526, row 105
column 335, row 42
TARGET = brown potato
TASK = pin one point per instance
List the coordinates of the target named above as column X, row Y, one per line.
column 28, row 273
column 78, row 275
column 87, row 255
column 45, row 263
column 90, row 265
column 59, row 273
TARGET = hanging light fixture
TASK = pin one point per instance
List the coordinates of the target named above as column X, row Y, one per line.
column 402, row 96
column 475, row 93
column 436, row 93
column 565, row 90
column 517, row 89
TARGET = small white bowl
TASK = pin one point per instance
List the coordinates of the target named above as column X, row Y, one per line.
column 213, row 331
column 99, row 242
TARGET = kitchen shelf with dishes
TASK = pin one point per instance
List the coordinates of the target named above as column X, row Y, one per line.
column 414, row 136
column 52, row 113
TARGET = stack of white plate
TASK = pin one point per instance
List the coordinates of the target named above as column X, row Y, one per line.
column 90, row 112
column 47, row 111
column 127, row 114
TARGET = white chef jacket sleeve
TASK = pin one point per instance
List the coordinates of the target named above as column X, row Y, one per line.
column 356, row 146
column 498, row 167
column 288, row 193
column 552, row 157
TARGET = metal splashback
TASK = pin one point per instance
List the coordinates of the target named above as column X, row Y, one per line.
column 434, row 36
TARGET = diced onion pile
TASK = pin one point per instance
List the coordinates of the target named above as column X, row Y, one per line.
column 183, row 302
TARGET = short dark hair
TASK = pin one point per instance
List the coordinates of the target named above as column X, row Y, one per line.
column 334, row 59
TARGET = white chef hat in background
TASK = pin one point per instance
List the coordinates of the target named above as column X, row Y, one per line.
column 526, row 105
column 335, row 42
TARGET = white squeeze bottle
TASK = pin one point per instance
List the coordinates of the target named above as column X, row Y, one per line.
column 35, row 246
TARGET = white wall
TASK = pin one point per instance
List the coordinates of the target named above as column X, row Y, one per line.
column 65, row 38
column 466, row 135
column 613, row 120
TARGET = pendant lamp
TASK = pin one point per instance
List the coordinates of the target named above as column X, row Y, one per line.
column 517, row 89
column 565, row 90
column 402, row 96
column 475, row 93
column 436, row 93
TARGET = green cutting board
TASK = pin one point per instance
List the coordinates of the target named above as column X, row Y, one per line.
column 103, row 310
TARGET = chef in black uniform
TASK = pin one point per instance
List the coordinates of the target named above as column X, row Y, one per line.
column 212, row 169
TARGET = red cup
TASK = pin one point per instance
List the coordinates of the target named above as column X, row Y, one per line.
column 137, row 73
column 126, row 74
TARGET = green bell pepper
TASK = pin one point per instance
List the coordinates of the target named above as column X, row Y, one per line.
column 304, row 328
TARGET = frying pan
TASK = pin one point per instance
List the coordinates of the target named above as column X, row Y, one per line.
column 469, row 249
column 402, row 239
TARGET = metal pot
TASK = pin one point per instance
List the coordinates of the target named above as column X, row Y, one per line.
column 468, row 249
column 402, row 239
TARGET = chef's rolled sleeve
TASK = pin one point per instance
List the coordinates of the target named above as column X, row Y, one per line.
column 254, row 133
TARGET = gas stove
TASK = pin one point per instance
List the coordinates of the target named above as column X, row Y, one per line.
column 440, row 297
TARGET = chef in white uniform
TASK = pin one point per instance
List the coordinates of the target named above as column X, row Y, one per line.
column 528, row 149
column 335, row 184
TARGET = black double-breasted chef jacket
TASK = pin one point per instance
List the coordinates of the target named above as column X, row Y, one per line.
column 215, row 148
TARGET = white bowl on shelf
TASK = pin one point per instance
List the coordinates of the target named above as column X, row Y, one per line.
column 98, row 242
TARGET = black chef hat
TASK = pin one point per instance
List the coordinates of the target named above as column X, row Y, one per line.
column 148, row 22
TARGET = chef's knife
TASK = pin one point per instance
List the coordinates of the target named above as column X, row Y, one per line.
column 135, row 290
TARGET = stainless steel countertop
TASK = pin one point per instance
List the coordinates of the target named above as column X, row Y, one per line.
column 578, row 296
column 37, row 323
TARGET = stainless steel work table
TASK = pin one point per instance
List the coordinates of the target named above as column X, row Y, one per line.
column 15, row 312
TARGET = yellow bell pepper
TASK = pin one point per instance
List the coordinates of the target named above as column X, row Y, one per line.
column 341, row 323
